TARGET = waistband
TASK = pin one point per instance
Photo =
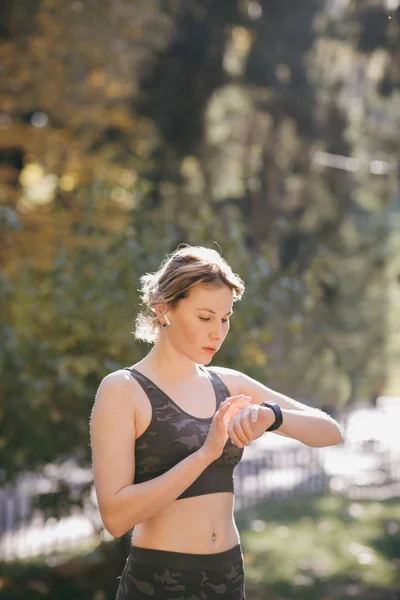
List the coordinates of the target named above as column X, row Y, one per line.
column 183, row 560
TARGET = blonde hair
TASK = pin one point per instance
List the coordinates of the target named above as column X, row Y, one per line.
column 178, row 273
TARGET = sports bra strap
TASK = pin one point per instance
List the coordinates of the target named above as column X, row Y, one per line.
column 221, row 391
column 157, row 396
column 154, row 393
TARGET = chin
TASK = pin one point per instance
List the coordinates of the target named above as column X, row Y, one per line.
column 206, row 362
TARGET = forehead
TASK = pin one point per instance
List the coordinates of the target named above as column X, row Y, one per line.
column 218, row 298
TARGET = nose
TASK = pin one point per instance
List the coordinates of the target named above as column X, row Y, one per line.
column 218, row 334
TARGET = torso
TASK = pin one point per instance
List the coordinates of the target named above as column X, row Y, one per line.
column 204, row 515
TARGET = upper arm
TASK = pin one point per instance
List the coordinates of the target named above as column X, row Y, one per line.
column 239, row 383
column 112, row 435
column 261, row 393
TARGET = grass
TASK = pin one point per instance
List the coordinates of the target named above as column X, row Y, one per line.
column 302, row 548
column 322, row 548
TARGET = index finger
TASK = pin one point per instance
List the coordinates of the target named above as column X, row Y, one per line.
column 238, row 398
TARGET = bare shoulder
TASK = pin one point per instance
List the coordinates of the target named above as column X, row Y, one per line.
column 240, row 383
column 231, row 378
column 116, row 392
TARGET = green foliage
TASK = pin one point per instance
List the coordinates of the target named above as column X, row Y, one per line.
column 324, row 547
column 301, row 548
column 51, row 362
column 91, row 573
column 117, row 150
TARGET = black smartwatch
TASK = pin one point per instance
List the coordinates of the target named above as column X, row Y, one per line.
column 278, row 415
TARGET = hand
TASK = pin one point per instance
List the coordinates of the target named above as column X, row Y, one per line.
column 249, row 424
column 218, row 433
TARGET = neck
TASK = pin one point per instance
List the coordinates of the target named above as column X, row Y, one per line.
column 169, row 364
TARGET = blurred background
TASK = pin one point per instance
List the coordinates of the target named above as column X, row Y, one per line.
column 268, row 129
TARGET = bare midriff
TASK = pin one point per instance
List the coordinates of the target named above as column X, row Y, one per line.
column 198, row 525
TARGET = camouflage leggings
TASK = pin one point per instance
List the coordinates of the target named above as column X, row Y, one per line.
column 163, row 575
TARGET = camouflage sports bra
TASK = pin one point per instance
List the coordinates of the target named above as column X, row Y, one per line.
column 174, row 434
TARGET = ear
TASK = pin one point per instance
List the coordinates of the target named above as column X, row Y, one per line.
column 160, row 309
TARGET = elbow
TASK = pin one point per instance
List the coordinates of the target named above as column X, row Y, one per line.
column 111, row 526
column 114, row 526
column 116, row 520
column 337, row 436
column 333, row 437
column 115, row 529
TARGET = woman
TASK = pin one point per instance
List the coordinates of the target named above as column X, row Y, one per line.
column 167, row 433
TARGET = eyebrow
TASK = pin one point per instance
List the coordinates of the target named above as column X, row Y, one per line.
column 214, row 313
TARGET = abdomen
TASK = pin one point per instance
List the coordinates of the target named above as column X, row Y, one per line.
column 187, row 525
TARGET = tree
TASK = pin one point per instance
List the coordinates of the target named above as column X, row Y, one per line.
column 138, row 126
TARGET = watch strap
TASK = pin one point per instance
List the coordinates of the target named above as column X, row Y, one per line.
column 278, row 415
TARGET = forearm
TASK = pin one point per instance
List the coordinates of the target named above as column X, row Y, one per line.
column 139, row 502
column 312, row 427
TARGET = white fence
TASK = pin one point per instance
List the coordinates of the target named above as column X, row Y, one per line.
column 57, row 510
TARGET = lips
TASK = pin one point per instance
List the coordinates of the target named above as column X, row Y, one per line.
column 210, row 349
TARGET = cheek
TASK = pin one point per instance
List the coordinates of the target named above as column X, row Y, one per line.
column 197, row 332
column 191, row 332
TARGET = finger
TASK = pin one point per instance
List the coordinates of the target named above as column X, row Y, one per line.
column 237, row 398
column 234, row 438
column 240, row 431
column 223, row 409
column 229, row 409
column 245, row 421
column 230, row 414
column 244, row 424
column 254, row 414
column 234, row 409
column 240, row 428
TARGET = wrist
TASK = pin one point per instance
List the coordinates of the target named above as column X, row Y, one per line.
column 268, row 417
column 277, row 415
column 204, row 456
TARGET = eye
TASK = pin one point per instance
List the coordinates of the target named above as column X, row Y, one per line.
column 207, row 319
